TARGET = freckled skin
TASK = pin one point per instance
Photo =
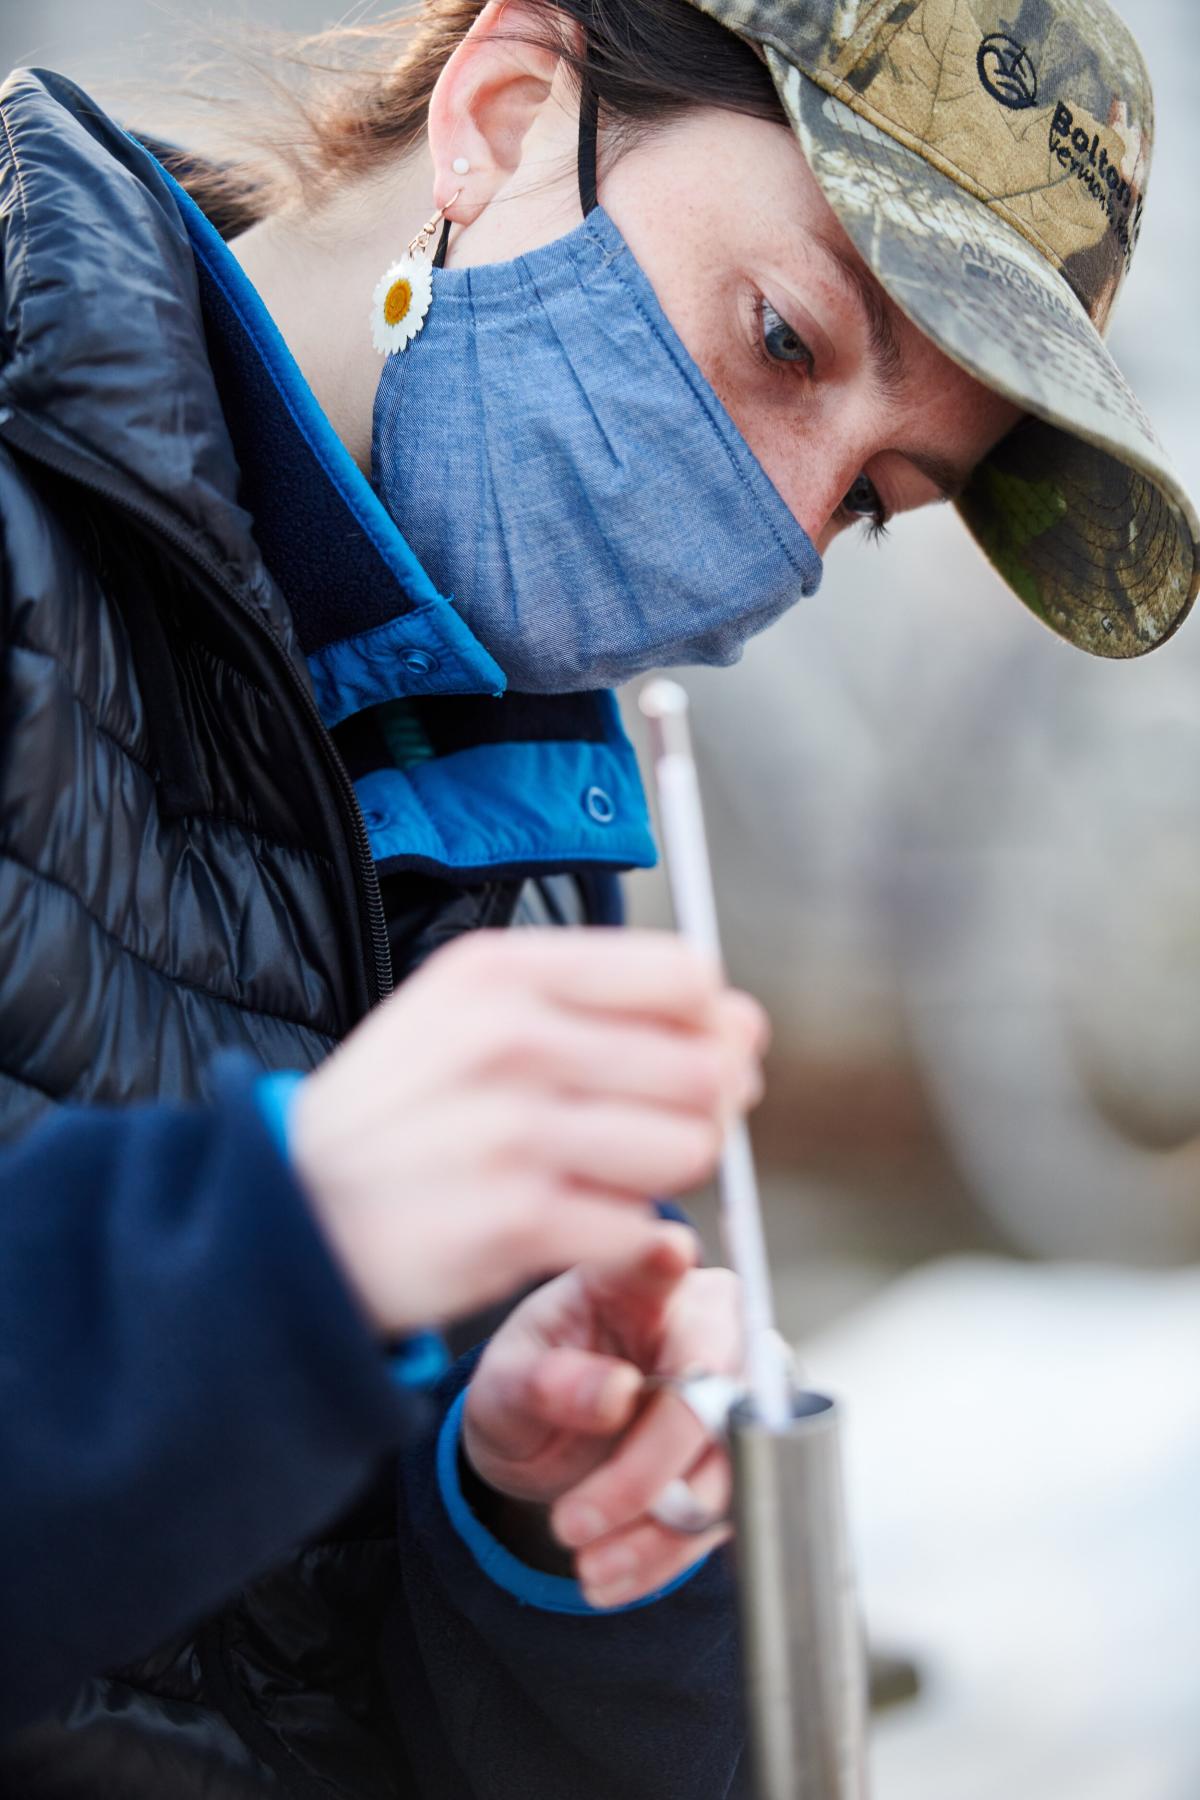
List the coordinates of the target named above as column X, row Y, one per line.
column 720, row 210
column 813, row 436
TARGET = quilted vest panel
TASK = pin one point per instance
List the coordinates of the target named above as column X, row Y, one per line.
column 163, row 895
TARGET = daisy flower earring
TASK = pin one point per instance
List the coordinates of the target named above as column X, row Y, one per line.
column 404, row 292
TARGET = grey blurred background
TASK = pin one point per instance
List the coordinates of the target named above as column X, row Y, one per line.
column 961, row 863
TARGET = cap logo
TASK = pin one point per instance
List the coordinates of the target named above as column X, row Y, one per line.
column 1085, row 158
column 1007, row 73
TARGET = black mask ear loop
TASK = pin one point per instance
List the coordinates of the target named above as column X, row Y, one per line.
column 589, row 137
column 589, row 133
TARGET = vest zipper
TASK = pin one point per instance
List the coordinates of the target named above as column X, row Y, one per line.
column 376, row 957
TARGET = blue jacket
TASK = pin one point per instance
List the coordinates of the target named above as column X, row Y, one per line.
column 251, row 763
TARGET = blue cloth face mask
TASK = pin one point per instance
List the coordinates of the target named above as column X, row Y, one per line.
column 564, row 471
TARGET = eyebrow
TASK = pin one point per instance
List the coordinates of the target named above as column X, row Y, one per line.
column 887, row 352
column 948, row 477
column 887, row 356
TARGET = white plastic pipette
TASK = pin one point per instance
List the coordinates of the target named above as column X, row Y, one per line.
column 665, row 705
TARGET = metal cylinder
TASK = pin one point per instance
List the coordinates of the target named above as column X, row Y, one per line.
column 802, row 1640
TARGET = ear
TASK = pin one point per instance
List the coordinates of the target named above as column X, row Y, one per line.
column 487, row 98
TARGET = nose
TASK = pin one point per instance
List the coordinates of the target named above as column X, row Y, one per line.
column 819, row 515
column 836, row 461
column 823, row 536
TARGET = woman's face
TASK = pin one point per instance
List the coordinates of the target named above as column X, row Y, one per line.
column 852, row 412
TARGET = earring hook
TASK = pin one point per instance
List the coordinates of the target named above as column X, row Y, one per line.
column 420, row 243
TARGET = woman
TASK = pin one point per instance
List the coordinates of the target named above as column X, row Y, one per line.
column 255, row 771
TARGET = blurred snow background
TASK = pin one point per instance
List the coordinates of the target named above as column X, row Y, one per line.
column 961, row 863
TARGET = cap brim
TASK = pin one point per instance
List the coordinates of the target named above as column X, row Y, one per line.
column 1079, row 508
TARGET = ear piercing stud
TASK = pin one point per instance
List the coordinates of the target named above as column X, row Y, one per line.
column 461, row 166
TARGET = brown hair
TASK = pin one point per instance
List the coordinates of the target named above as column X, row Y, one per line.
column 343, row 104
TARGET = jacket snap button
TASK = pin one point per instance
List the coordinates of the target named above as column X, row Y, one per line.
column 374, row 821
column 600, row 805
column 419, row 662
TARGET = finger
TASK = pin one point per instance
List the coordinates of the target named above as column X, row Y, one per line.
column 663, row 1444
column 696, row 1502
column 706, row 1326
column 744, row 1023
column 650, row 974
column 565, row 1388
column 635, row 1149
column 645, row 1281
column 646, row 1555
column 646, row 1559
column 705, row 1071
column 743, row 1032
column 592, row 1228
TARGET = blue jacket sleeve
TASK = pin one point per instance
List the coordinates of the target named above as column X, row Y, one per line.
column 186, row 1385
column 506, row 1685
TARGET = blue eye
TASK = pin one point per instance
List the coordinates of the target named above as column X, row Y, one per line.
column 782, row 341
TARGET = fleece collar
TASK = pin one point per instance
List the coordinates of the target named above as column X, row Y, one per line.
column 377, row 631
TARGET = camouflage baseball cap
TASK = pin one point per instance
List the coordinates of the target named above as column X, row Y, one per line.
column 988, row 158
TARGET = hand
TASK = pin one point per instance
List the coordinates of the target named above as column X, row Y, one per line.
column 510, row 1111
column 559, row 1416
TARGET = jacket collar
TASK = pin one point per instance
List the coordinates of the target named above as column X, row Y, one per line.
column 132, row 335
column 102, row 343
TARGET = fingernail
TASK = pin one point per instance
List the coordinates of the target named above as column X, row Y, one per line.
column 578, row 1525
column 613, row 1392
column 683, row 1240
column 609, row 1569
column 679, row 1510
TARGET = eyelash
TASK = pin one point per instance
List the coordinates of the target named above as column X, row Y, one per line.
column 877, row 527
column 874, row 530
